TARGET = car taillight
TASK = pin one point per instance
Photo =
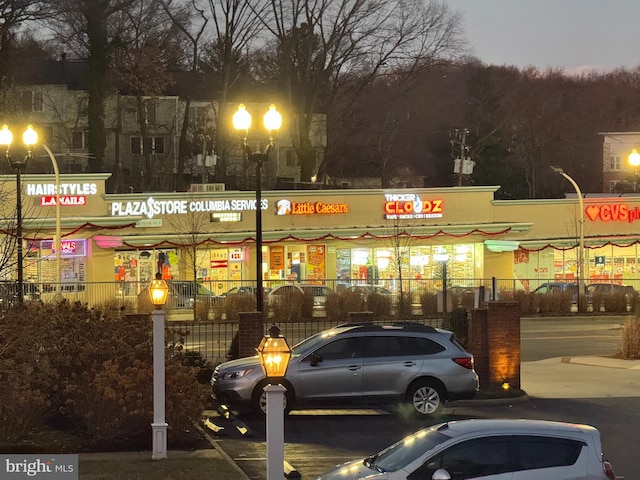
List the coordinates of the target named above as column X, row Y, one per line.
column 466, row 362
column 608, row 470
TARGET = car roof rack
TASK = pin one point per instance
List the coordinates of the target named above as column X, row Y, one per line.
column 404, row 326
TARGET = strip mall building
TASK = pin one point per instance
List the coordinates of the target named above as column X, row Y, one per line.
column 340, row 235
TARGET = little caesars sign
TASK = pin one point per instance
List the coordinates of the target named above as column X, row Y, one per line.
column 150, row 207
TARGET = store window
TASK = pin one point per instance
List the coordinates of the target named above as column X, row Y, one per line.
column 40, row 264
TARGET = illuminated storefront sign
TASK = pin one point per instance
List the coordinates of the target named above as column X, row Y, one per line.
column 150, row 207
column 287, row 207
column 65, row 200
column 410, row 205
column 618, row 212
column 71, row 194
column 68, row 248
column 49, row 189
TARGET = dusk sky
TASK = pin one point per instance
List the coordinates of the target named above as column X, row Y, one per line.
column 571, row 34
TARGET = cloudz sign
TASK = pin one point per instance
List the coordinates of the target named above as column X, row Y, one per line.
column 410, row 205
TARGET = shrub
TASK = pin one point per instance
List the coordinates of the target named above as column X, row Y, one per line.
column 333, row 308
column 631, row 339
column 291, row 307
column 233, row 305
column 96, row 370
column 405, row 306
column 429, row 303
column 458, row 322
column 380, row 305
column 350, row 301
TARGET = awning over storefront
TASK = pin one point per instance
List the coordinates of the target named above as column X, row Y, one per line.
column 422, row 232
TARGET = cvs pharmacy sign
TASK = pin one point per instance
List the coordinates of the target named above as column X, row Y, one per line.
column 612, row 212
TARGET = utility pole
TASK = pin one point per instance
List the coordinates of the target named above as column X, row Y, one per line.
column 462, row 164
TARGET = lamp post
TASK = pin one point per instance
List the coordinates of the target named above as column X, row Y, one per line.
column 58, row 237
column 634, row 161
column 272, row 122
column 442, row 257
column 274, row 354
column 158, row 290
column 580, row 263
column 30, row 138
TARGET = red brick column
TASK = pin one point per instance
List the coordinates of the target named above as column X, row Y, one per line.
column 478, row 343
column 250, row 332
column 494, row 341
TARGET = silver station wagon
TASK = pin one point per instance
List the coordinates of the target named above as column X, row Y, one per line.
column 360, row 365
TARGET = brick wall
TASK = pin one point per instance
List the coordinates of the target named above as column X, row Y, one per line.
column 494, row 341
column 251, row 329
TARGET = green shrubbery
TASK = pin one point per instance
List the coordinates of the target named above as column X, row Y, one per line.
column 89, row 372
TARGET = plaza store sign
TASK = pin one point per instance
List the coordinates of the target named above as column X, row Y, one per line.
column 150, row 207
column 70, row 194
column 401, row 206
column 287, row 207
column 614, row 212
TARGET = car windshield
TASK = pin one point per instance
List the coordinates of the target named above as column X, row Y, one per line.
column 405, row 451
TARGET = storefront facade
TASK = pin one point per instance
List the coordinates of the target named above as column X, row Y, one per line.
column 337, row 236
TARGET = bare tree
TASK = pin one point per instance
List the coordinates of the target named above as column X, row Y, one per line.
column 329, row 50
column 90, row 28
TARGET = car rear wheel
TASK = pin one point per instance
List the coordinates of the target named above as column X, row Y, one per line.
column 425, row 398
column 259, row 400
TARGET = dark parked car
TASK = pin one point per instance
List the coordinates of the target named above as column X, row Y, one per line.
column 610, row 288
column 360, row 365
column 244, row 290
column 182, row 294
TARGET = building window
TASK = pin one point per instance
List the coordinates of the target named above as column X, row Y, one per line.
column 152, row 145
column 197, row 117
column 32, row 101
column 78, row 140
column 290, row 158
column 615, row 162
column 150, row 113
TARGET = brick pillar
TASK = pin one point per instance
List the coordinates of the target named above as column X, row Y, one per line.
column 494, row 341
column 360, row 317
column 250, row 332
column 478, row 343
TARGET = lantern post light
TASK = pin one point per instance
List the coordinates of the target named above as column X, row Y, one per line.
column 242, row 123
column 30, row 138
column 274, row 353
column 580, row 262
column 158, row 291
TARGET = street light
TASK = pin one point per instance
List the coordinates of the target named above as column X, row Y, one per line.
column 30, row 138
column 442, row 257
column 272, row 122
column 57, row 239
column 158, row 290
column 274, row 354
column 580, row 265
column 634, row 161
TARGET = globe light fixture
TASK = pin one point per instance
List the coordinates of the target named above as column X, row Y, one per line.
column 242, row 123
column 29, row 138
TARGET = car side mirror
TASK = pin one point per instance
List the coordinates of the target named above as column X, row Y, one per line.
column 441, row 474
column 315, row 359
